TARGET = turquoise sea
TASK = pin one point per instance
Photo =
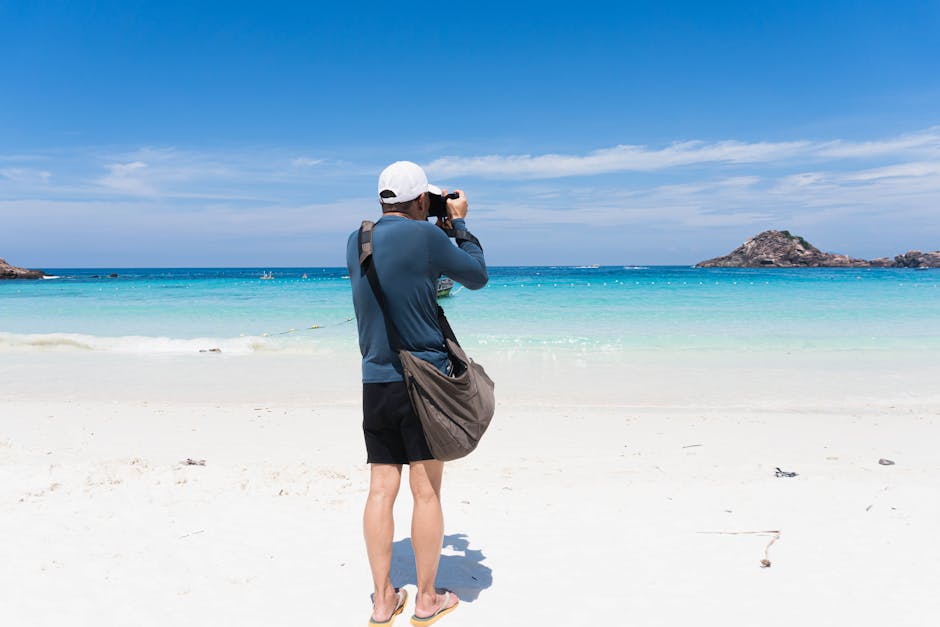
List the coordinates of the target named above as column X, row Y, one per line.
column 617, row 308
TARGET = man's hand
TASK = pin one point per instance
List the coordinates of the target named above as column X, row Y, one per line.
column 457, row 207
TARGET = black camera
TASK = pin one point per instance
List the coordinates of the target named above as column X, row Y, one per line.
column 438, row 208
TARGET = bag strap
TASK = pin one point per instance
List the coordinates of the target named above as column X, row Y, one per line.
column 367, row 266
column 446, row 331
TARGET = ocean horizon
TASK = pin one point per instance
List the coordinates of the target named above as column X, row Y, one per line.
column 562, row 308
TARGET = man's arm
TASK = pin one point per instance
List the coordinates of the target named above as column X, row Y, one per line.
column 465, row 264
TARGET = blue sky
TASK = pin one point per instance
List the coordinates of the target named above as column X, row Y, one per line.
column 214, row 134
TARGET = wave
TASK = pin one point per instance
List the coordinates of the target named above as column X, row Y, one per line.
column 138, row 344
column 47, row 277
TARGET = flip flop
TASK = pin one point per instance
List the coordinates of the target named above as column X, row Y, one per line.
column 430, row 620
column 402, row 599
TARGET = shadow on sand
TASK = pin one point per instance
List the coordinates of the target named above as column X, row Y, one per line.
column 461, row 569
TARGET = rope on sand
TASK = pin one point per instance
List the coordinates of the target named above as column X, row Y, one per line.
column 775, row 535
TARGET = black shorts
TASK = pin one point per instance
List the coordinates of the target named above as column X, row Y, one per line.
column 392, row 429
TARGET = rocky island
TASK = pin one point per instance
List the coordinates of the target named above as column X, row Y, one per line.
column 781, row 249
column 12, row 272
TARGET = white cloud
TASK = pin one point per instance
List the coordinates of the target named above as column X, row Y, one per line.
column 169, row 172
column 128, row 178
column 796, row 181
column 910, row 193
column 913, row 169
column 926, row 142
column 305, row 162
column 621, row 158
column 636, row 158
column 24, row 158
column 25, row 175
column 140, row 218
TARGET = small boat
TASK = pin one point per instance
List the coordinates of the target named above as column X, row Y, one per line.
column 444, row 286
column 304, row 276
column 267, row 276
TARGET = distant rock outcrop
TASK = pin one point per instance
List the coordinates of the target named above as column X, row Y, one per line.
column 781, row 249
column 917, row 259
column 12, row 272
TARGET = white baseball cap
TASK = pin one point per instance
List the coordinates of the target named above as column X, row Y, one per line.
column 406, row 181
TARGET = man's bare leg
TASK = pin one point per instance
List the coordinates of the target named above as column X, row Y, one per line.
column 427, row 533
column 378, row 526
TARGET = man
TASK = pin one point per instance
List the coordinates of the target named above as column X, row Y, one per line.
column 409, row 255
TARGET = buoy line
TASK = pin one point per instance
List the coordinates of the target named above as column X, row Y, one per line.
column 310, row 328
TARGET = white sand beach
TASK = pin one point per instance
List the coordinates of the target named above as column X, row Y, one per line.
column 614, row 489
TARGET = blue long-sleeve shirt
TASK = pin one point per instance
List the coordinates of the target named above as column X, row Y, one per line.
column 409, row 256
